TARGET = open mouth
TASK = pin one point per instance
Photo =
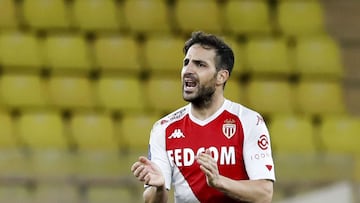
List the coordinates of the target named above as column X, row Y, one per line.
column 189, row 84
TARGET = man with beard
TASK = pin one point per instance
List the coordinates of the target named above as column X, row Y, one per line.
column 213, row 149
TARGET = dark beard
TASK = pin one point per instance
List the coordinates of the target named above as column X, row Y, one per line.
column 204, row 98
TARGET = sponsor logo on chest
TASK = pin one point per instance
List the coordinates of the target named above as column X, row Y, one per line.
column 225, row 155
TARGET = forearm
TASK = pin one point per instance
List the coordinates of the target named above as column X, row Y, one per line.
column 257, row 191
column 155, row 195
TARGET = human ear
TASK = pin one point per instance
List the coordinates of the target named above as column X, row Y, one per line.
column 222, row 76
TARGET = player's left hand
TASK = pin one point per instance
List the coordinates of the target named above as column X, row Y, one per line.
column 209, row 166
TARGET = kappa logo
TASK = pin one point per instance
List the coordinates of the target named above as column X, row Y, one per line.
column 176, row 134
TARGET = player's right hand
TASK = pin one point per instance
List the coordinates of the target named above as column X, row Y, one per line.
column 148, row 172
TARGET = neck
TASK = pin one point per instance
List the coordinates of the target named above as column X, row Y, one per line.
column 208, row 108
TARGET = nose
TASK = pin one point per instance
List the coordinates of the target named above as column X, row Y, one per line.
column 188, row 68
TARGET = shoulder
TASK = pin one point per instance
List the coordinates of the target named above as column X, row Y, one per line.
column 172, row 117
column 158, row 130
column 244, row 113
column 250, row 119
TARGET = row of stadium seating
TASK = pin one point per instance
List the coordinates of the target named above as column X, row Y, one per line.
column 86, row 131
column 316, row 55
column 142, row 16
column 163, row 94
column 67, row 193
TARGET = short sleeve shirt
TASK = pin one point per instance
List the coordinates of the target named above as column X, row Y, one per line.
column 236, row 136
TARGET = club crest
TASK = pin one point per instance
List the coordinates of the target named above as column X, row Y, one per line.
column 229, row 128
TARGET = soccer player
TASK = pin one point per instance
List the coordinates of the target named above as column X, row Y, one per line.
column 213, row 149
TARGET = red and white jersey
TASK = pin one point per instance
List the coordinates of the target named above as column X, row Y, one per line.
column 236, row 136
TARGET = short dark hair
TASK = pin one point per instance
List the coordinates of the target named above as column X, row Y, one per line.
column 224, row 55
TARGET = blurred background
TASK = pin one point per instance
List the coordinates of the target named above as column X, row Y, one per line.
column 83, row 81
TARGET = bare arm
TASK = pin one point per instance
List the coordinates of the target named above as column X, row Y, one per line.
column 246, row 190
column 155, row 194
column 149, row 173
column 257, row 191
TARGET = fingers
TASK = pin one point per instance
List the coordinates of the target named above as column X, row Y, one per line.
column 140, row 169
column 207, row 151
column 148, row 172
column 207, row 163
column 144, row 160
column 206, row 159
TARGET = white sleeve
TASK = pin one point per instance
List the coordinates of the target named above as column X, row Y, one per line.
column 157, row 153
column 257, row 150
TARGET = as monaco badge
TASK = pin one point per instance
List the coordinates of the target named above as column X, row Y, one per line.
column 229, row 128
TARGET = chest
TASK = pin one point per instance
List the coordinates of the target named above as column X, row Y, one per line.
column 223, row 136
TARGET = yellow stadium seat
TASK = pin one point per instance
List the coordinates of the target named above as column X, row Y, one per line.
column 117, row 53
column 318, row 56
column 234, row 91
column 93, row 131
column 96, row 15
column 15, row 194
column 267, row 56
column 42, row 130
column 97, row 145
column 299, row 17
column 51, row 164
column 189, row 17
column 12, row 162
column 60, row 192
column 149, row 17
column 340, row 134
column 120, row 93
column 292, row 133
column 247, row 17
column 319, row 97
column 135, row 131
column 306, row 169
column 20, row 50
column 164, row 54
column 8, row 18
column 7, row 137
column 68, row 53
column 270, row 96
column 102, row 194
column 23, row 91
column 67, row 92
column 46, row 14
column 296, row 144
column 98, row 165
column 164, row 93
column 239, row 54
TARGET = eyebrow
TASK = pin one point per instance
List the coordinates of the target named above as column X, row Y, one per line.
column 196, row 61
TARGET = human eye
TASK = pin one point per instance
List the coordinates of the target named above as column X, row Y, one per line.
column 201, row 64
column 186, row 62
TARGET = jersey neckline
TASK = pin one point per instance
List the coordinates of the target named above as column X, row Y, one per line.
column 212, row 117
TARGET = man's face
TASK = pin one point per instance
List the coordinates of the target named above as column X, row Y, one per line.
column 198, row 74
